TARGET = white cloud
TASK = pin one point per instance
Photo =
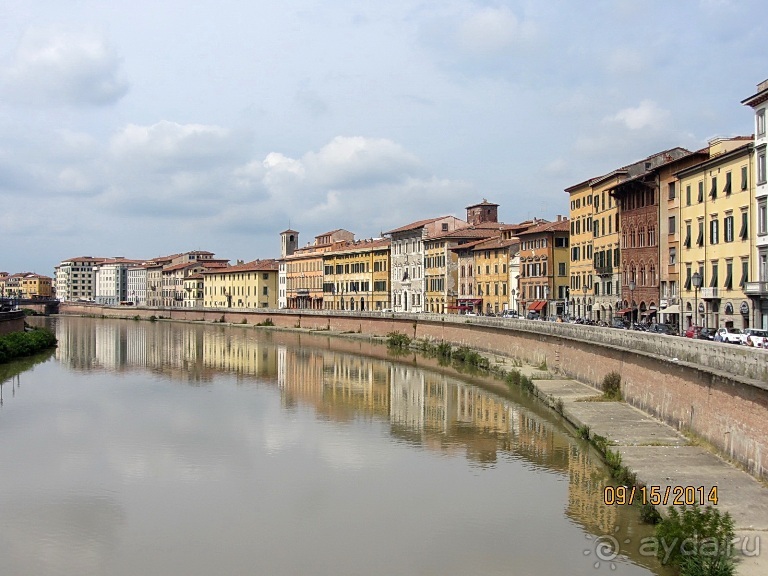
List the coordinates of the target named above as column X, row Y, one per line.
column 646, row 115
column 54, row 67
column 493, row 29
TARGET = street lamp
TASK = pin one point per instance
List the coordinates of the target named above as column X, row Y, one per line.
column 696, row 281
column 632, row 286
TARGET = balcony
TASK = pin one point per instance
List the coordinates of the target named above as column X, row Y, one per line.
column 756, row 288
column 604, row 270
column 709, row 294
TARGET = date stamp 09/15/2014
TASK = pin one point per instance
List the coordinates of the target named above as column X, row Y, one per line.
column 660, row 495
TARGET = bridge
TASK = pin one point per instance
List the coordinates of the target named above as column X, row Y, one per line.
column 40, row 305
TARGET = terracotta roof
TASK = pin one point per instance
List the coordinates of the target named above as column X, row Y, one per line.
column 484, row 230
column 563, row 225
column 197, row 276
column 468, row 245
column 495, row 243
column 362, row 245
column 289, row 230
column 415, row 225
column 181, row 266
column 253, row 266
column 483, row 203
column 85, row 258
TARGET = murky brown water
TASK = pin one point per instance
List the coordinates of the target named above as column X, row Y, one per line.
column 179, row 449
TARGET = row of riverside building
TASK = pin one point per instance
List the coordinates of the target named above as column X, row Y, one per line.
column 679, row 237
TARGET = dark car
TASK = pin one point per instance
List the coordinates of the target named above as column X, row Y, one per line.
column 662, row 329
column 706, row 334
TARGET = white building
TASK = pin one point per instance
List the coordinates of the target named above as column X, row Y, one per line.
column 75, row 278
column 757, row 287
column 407, row 260
column 111, row 280
column 137, row 285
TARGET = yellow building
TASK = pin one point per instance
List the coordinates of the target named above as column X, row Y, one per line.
column 716, row 227
column 491, row 260
column 604, row 289
column 544, row 261
column 304, row 270
column 249, row 285
column 582, row 269
column 356, row 276
column 36, row 286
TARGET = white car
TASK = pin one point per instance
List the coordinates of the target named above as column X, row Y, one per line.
column 729, row 335
column 754, row 337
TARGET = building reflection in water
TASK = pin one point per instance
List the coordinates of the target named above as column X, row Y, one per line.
column 435, row 411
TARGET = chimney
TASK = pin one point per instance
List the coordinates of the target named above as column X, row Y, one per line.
column 559, row 217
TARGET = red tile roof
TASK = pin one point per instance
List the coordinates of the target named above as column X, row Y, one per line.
column 253, row 266
column 415, row 225
column 563, row 225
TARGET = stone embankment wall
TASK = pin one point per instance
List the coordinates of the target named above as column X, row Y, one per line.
column 11, row 322
column 718, row 392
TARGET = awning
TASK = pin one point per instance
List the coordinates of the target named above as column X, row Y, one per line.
column 650, row 312
column 536, row 306
column 624, row 311
column 674, row 309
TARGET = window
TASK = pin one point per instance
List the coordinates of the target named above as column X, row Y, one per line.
column 728, row 228
column 744, row 176
column 561, row 269
column 744, row 219
column 761, row 167
column 700, row 238
column 701, row 192
column 760, row 122
column 687, row 242
column 762, row 217
column 672, row 256
column 714, row 229
column 728, row 274
column 671, row 191
column 713, row 281
column 671, row 229
column 688, row 195
column 727, row 188
column 744, row 272
column 713, row 189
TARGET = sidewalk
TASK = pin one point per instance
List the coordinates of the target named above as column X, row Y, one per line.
column 660, row 456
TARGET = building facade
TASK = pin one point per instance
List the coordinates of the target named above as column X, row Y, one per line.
column 544, row 274
column 716, row 218
column 76, row 278
column 243, row 286
column 756, row 287
column 407, row 260
column 356, row 276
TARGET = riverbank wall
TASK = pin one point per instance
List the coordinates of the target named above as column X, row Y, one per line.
column 11, row 322
column 717, row 392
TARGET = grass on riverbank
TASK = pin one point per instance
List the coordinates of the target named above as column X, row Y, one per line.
column 20, row 344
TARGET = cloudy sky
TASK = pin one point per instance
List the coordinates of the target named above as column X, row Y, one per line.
column 144, row 128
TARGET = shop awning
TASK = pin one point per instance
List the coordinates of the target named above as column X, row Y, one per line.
column 674, row 309
column 537, row 305
column 650, row 312
column 624, row 311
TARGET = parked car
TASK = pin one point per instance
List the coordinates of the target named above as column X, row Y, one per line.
column 729, row 335
column 662, row 329
column 706, row 334
column 509, row 314
column 533, row 316
column 618, row 323
column 754, row 337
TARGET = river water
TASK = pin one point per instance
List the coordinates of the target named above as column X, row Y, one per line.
column 160, row 448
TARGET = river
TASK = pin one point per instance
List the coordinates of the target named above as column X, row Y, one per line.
column 161, row 448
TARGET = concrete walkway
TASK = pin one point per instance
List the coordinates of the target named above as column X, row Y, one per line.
column 660, row 456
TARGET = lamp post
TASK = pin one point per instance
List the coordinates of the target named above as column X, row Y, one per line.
column 632, row 300
column 696, row 281
column 584, row 290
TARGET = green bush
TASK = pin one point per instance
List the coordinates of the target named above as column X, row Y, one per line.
column 18, row 344
column 612, row 386
column 266, row 322
column 697, row 541
column 398, row 340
